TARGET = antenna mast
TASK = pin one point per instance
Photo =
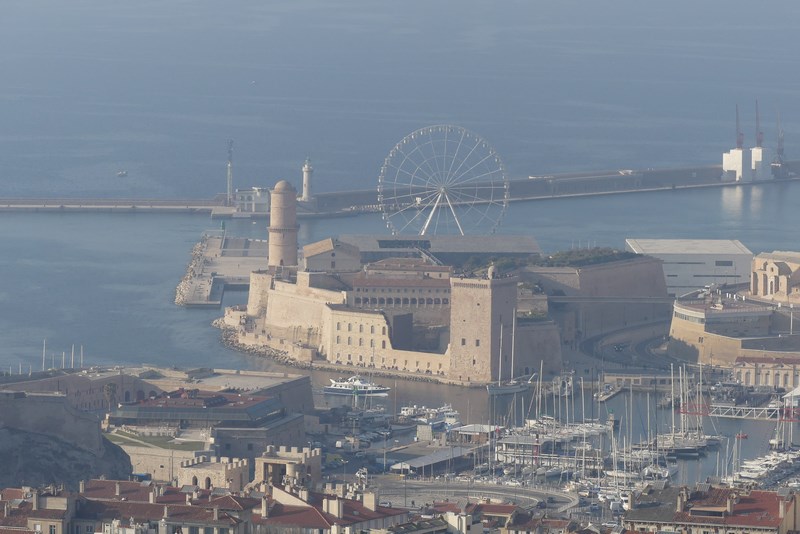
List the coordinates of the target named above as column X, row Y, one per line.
column 229, row 197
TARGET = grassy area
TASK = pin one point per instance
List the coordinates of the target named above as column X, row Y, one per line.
column 162, row 442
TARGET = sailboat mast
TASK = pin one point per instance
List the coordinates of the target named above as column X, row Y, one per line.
column 513, row 337
column 500, row 366
column 672, row 398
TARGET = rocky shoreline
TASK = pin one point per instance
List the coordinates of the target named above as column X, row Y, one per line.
column 230, row 340
column 193, row 269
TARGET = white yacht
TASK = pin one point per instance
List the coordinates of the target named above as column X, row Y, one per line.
column 356, row 385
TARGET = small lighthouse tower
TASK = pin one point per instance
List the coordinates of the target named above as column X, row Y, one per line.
column 308, row 170
column 282, row 226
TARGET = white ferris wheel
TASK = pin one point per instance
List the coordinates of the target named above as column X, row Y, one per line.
column 442, row 180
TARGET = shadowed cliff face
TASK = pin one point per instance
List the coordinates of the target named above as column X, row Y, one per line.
column 35, row 459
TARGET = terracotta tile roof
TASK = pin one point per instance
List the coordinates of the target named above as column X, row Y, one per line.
column 8, row 494
column 231, row 502
column 5, row 530
column 17, row 515
column 107, row 510
column 490, row 509
column 758, row 509
column 297, row 516
column 107, row 489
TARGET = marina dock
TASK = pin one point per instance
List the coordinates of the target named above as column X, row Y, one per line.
column 761, row 413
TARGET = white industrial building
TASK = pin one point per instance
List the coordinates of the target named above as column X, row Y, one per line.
column 737, row 165
column 691, row 264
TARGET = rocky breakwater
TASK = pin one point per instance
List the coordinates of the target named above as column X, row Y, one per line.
column 194, row 269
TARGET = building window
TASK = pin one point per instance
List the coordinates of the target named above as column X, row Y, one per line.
column 360, row 342
column 52, row 529
column 477, row 342
column 349, row 327
column 360, row 328
column 338, row 339
column 383, row 344
column 338, row 326
column 463, row 341
column 372, row 343
column 372, row 329
column 724, row 263
column 349, row 340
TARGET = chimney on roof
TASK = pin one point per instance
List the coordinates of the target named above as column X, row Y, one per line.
column 216, row 513
column 116, row 489
column 370, row 500
column 82, row 486
column 152, row 496
column 730, row 502
column 781, row 508
column 166, row 511
column 264, row 506
column 35, row 499
column 333, row 506
column 5, row 508
column 189, row 499
column 681, row 505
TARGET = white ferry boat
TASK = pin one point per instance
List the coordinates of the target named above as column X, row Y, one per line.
column 356, row 385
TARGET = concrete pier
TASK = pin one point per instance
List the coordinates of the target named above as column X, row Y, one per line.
column 219, row 262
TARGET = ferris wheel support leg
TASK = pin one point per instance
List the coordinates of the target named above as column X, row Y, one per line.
column 453, row 211
column 431, row 214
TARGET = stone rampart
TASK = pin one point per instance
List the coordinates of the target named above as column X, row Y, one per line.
column 51, row 415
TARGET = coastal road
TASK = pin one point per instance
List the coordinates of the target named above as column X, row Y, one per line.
column 415, row 493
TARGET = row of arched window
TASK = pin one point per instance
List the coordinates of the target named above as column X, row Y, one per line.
column 381, row 301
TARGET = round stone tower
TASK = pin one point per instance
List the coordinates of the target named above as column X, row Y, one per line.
column 308, row 170
column 283, row 226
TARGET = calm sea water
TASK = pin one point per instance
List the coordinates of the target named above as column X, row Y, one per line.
column 157, row 88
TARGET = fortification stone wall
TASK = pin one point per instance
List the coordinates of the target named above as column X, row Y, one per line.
column 260, row 282
column 479, row 308
column 51, row 415
column 214, row 472
column 161, row 464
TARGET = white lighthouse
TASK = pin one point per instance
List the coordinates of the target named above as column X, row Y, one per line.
column 308, row 170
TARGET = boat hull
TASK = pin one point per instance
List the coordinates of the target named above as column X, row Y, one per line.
column 506, row 389
column 379, row 392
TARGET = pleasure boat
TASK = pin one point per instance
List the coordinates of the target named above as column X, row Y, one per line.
column 356, row 385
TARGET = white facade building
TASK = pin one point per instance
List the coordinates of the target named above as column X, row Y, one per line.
column 691, row 264
column 737, row 165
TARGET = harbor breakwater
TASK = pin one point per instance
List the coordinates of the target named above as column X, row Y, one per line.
column 354, row 202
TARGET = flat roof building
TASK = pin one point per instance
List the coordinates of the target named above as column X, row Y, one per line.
column 449, row 249
column 691, row 264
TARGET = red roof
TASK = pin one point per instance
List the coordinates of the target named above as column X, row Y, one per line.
column 757, row 509
column 140, row 512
